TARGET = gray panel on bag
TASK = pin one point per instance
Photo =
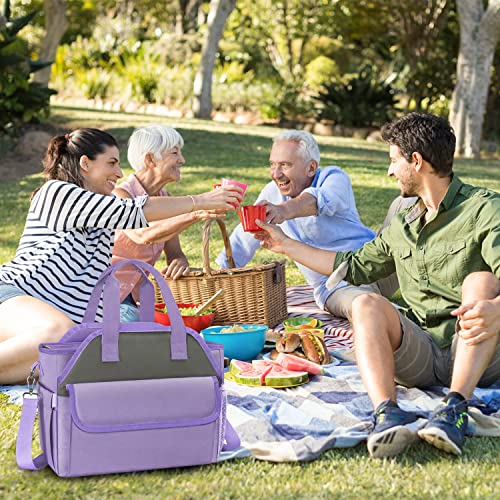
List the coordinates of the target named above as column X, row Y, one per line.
column 143, row 355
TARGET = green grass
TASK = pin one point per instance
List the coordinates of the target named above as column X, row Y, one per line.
column 213, row 151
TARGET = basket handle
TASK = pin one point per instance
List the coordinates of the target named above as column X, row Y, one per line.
column 206, row 239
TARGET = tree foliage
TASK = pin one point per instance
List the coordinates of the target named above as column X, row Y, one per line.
column 21, row 100
column 273, row 56
column 360, row 102
column 283, row 30
column 416, row 40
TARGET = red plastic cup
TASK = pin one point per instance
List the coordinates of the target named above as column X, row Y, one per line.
column 230, row 182
column 248, row 214
column 240, row 216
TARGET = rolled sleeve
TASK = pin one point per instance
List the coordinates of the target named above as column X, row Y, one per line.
column 337, row 276
column 373, row 261
column 139, row 202
column 333, row 194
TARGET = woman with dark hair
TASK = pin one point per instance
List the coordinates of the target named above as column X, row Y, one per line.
column 67, row 243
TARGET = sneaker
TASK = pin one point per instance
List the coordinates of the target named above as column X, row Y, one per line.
column 446, row 427
column 389, row 436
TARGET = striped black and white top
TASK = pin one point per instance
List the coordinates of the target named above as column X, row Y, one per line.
column 67, row 243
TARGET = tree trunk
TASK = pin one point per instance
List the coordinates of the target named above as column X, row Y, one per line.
column 479, row 32
column 187, row 16
column 56, row 23
column 202, row 88
column 179, row 18
column 6, row 10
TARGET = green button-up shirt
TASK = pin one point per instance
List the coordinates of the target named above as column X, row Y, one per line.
column 432, row 258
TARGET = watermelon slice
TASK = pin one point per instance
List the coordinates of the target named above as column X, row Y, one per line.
column 252, row 377
column 238, row 366
column 285, row 378
column 295, row 363
column 260, row 364
column 263, row 372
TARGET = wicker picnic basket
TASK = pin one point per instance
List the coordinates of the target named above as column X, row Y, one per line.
column 252, row 294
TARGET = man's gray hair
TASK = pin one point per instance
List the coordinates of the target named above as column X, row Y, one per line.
column 308, row 146
column 154, row 139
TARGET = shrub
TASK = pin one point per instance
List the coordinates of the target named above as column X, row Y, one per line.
column 175, row 50
column 320, row 71
column 360, row 102
column 21, row 100
column 131, row 70
column 440, row 106
column 94, row 82
column 175, row 87
column 140, row 67
column 288, row 103
column 231, row 72
column 244, row 96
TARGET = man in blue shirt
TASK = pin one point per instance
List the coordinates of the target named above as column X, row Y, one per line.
column 314, row 205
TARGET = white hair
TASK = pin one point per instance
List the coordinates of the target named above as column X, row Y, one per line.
column 307, row 145
column 154, row 139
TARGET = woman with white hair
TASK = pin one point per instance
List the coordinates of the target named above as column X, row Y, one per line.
column 155, row 154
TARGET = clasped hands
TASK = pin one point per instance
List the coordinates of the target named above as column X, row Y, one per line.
column 478, row 321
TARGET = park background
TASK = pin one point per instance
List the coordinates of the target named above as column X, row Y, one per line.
column 230, row 75
column 335, row 67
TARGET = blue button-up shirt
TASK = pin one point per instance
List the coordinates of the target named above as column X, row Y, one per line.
column 335, row 227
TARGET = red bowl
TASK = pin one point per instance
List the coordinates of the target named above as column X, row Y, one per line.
column 197, row 323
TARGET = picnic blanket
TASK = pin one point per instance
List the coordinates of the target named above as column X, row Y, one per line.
column 331, row 411
column 300, row 302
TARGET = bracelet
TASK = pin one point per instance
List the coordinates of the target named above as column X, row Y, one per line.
column 194, row 202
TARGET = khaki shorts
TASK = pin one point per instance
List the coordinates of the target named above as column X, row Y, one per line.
column 339, row 303
column 419, row 362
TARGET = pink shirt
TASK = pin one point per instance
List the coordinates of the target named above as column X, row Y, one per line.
column 130, row 279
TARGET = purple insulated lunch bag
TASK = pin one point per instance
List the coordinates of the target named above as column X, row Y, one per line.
column 119, row 397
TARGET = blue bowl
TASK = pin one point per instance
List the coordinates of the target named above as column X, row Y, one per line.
column 244, row 345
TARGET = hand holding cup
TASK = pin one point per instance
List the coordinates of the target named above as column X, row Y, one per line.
column 222, row 198
column 248, row 214
column 230, row 182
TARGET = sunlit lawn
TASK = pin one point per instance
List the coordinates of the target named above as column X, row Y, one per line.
column 213, row 151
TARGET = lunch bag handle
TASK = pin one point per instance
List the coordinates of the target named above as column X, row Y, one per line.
column 147, row 294
column 110, row 288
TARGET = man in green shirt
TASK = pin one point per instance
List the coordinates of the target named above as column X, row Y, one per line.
column 445, row 250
